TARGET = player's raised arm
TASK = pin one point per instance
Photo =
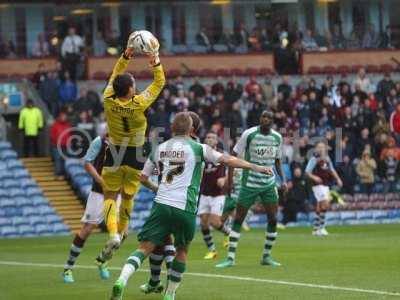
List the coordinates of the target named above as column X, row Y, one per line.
column 150, row 94
column 119, row 68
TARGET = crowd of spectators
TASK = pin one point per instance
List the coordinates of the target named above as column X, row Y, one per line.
column 359, row 120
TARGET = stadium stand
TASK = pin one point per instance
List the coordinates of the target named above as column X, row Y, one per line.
column 24, row 210
column 383, row 208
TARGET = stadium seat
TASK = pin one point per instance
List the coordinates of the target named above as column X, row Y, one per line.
column 38, row 200
column 29, row 211
column 5, row 174
column 14, row 164
column 265, row 71
column 251, row 72
column 372, row 69
column 5, row 203
column 33, row 191
column 238, row 72
column 199, row 49
column 42, row 229
column 9, row 231
column 75, row 171
column 173, row 73
column 343, row 69
column 34, row 220
column 4, row 145
column 27, row 183
column 314, row 70
column 52, row 219
column 45, row 210
column 20, row 221
column 8, row 154
column 356, row 68
column 69, row 162
column 60, row 228
column 16, row 192
column 12, row 211
column 26, row 230
column 21, row 173
column 220, row 48
column 5, row 221
column 10, row 183
column 329, row 70
column 386, row 68
column 179, row 49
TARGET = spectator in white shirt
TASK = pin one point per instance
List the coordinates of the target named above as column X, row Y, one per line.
column 71, row 51
column 41, row 47
column 362, row 81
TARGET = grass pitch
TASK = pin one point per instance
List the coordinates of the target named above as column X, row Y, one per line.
column 359, row 262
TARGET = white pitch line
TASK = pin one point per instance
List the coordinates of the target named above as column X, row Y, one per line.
column 231, row 277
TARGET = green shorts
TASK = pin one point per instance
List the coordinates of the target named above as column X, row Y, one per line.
column 249, row 196
column 230, row 204
column 165, row 220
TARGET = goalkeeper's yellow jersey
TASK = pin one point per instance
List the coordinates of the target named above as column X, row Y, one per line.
column 125, row 119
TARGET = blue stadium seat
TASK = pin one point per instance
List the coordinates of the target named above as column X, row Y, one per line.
column 85, row 190
column 9, row 231
column 42, row 229
column 4, row 193
column 5, row 203
column 5, row 174
column 380, row 214
column 75, row 171
column 27, row 183
column 16, row 192
column 5, row 221
column 302, row 217
column 364, row 215
column 69, row 162
column 26, row 230
column 21, row 173
column 22, row 201
column 33, row 191
column 38, row 200
column 20, row 221
column 60, row 228
column 8, row 154
column 10, row 183
column 12, row 211
column 14, row 164
column 53, row 219
column 35, row 220
column 29, row 211
column 81, row 180
column 45, row 210
column 348, row 215
column 4, row 145
column 2, row 213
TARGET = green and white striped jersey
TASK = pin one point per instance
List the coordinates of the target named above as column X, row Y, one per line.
column 262, row 150
column 180, row 163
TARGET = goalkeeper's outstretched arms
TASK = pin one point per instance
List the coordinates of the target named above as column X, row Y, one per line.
column 119, row 68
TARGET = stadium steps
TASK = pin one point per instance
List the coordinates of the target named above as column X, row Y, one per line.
column 59, row 193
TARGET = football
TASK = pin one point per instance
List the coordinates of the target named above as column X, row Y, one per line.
column 143, row 42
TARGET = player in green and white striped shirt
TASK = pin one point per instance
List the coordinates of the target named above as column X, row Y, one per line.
column 260, row 145
column 180, row 163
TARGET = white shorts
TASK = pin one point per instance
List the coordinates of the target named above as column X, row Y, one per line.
column 94, row 208
column 321, row 192
column 211, row 205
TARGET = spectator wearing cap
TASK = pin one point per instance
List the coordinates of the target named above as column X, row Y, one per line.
column 31, row 122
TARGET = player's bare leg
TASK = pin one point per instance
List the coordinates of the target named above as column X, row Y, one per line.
column 234, row 236
column 76, row 249
column 271, row 210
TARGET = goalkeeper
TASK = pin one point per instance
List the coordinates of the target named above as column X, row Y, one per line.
column 124, row 159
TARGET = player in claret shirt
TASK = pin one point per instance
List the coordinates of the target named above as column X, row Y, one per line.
column 212, row 199
column 321, row 172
